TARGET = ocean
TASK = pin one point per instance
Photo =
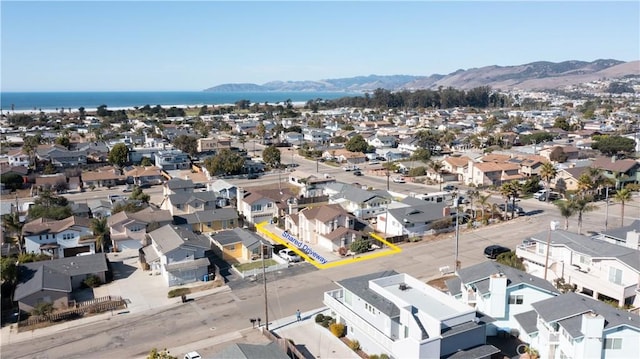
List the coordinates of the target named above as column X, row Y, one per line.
column 47, row 101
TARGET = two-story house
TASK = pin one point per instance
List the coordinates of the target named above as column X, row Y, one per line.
column 411, row 216
column 402, row 317
column 457, row 165
column 492, row 173
column 330, row 226
column 172, row 160
column 178, row 254
column 310, row 185
column 128, row 229
column 361, row 203
column 382, row 141
column 59, row 238
column 212, row 144
column 499, row 291
column 189, row 202
column 258, row 205
column 622, row 171
column 627, row 236
column 60, row 156
column 572, row 325
column 597, row 268
column 18, row 158
column 177, row 185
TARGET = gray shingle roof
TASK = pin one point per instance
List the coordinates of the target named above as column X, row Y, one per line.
column 621, row 233
column 170, row 237
column 178, row 183
column 593, row 248
column 218, row 214
column 359, row 286
column 567, row 310
column 528, row 321
column 478, row 276
column 238, row 235
column 183, row 198
column 37, row 278
column 427, row 212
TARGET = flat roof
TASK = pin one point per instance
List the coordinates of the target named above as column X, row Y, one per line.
column 423, row 301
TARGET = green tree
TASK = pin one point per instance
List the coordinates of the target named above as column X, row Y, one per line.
column 356, row 144
column 271, row 156
column 49, row 205
column 360, row 246
column 146, row 161
column 138, row 194
column 225, row 162
column 510, row 191
column 510, row 259
column 8, row 269
column 437, row 166
column 580, row 206
column 623, row 196
column 119, row 155
column 160, row 354
column 612, row 145
column 261, row 131
column 421, row 154
column 42, row 309
column 186, row 144
column 12, row 181
column 566, row 210
column 101, row 231
column 548, row 172
column 63, row 141
column 562, row 123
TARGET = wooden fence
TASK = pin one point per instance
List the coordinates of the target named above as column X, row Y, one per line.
column 285, row 344
column 96, row 305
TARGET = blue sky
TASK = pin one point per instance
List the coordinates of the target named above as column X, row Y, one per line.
column 163, row 46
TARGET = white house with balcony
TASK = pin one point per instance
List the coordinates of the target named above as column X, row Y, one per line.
column 402, row 317
column 499, row 291
column 597, row 268
column 259, row 205
column 572, row 325
column 59, row 238
column 328, row 226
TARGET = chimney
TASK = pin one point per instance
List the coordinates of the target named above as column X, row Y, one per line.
column 498, row 300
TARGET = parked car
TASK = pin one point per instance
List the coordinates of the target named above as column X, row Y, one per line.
column 552, row 197
column 289, row 255
column 252, row 176
column 398, row 180
column 540, row 193
column 493, row 251
column 449, row 187
column 357, row 173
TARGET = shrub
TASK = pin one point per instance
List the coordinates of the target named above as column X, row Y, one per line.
column 360, row 246
column 337, row 329
column 327, row 321
column 92, row 281
column 178, row 292
column 374, row 356
column 384, row 356
column 319, row 318
column 354, row 345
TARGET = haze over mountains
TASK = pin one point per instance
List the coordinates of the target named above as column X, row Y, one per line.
column 531, row 76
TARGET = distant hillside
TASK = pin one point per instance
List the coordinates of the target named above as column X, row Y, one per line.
column 535, row 75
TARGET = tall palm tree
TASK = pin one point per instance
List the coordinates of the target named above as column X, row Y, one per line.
column 100, row 231
column 483, row 202
column 437, row 166
column 506, row 191
column 12, row 224
column 585, row 184
column 580, row 206
column 566, row 210
column 473, row 196
column 623, row 196
column 548, row 172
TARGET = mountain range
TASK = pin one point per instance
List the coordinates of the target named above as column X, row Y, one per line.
column 531, row 76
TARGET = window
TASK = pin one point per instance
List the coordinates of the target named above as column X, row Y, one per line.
column 232, row 247
column 256, row 208
column 613, row 343
column 516, row 299
column 615, row 275
column 269, row 205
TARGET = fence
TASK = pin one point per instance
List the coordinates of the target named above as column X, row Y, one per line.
column 285, row 344
column 97, row 305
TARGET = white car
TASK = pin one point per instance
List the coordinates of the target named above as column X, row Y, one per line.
column 398, row 180
column 289, row 255
column 192, row 355
column 540, row 193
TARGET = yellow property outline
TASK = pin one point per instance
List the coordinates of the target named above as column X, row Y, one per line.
column 393, row 249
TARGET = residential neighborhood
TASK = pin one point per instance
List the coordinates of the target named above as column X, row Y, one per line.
column 141, row 214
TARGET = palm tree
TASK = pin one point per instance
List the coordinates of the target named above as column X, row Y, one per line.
column 548, row 172
column 13, row 225
column 580, row 206
column 623, row 196
column 437, row 166
column 505, row 191
column 483, row 201
column 566, row 210
column 101, row 231
column 585, row 184
column 473, row 196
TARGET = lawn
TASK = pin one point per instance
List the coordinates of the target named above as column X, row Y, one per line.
column 255, row 264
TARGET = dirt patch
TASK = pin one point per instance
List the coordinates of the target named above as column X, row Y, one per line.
column 360, row 353
column 440, row 282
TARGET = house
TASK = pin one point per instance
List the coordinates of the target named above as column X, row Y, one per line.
column 627, row 236
column 575, row 326
column 329, row 226
column 345, row 156
column 60, row 156
column 141, row 175
column 80, row 209
column 64, row 238
column 457, row 165
column 103, row 177
column 411, row 217
column 560, row 154
column 55, row 182
column 210, row 220
column 310, row 185
column 223, row 189
column 567, row 179
column 178, row 185
column 402, row 317
column 530, row 166
column 499, row 291
column 240, row 245
column 410, row 145
column 597, row 268
column 128, row 229
column 172, row 160
column 189, row 202
column 622, row 171
column 258, row 205
column 100, row 208
column 54, row 281
column 18, row 158
column 382, row 141
column 361, row 203
column 492, row 173
column 212, row 144
column 177, row 254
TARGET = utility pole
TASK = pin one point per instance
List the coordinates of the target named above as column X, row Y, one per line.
column 264, row 282
column 456, row 203
column 606, row 213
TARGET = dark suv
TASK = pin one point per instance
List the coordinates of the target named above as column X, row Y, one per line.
column 495, row 250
